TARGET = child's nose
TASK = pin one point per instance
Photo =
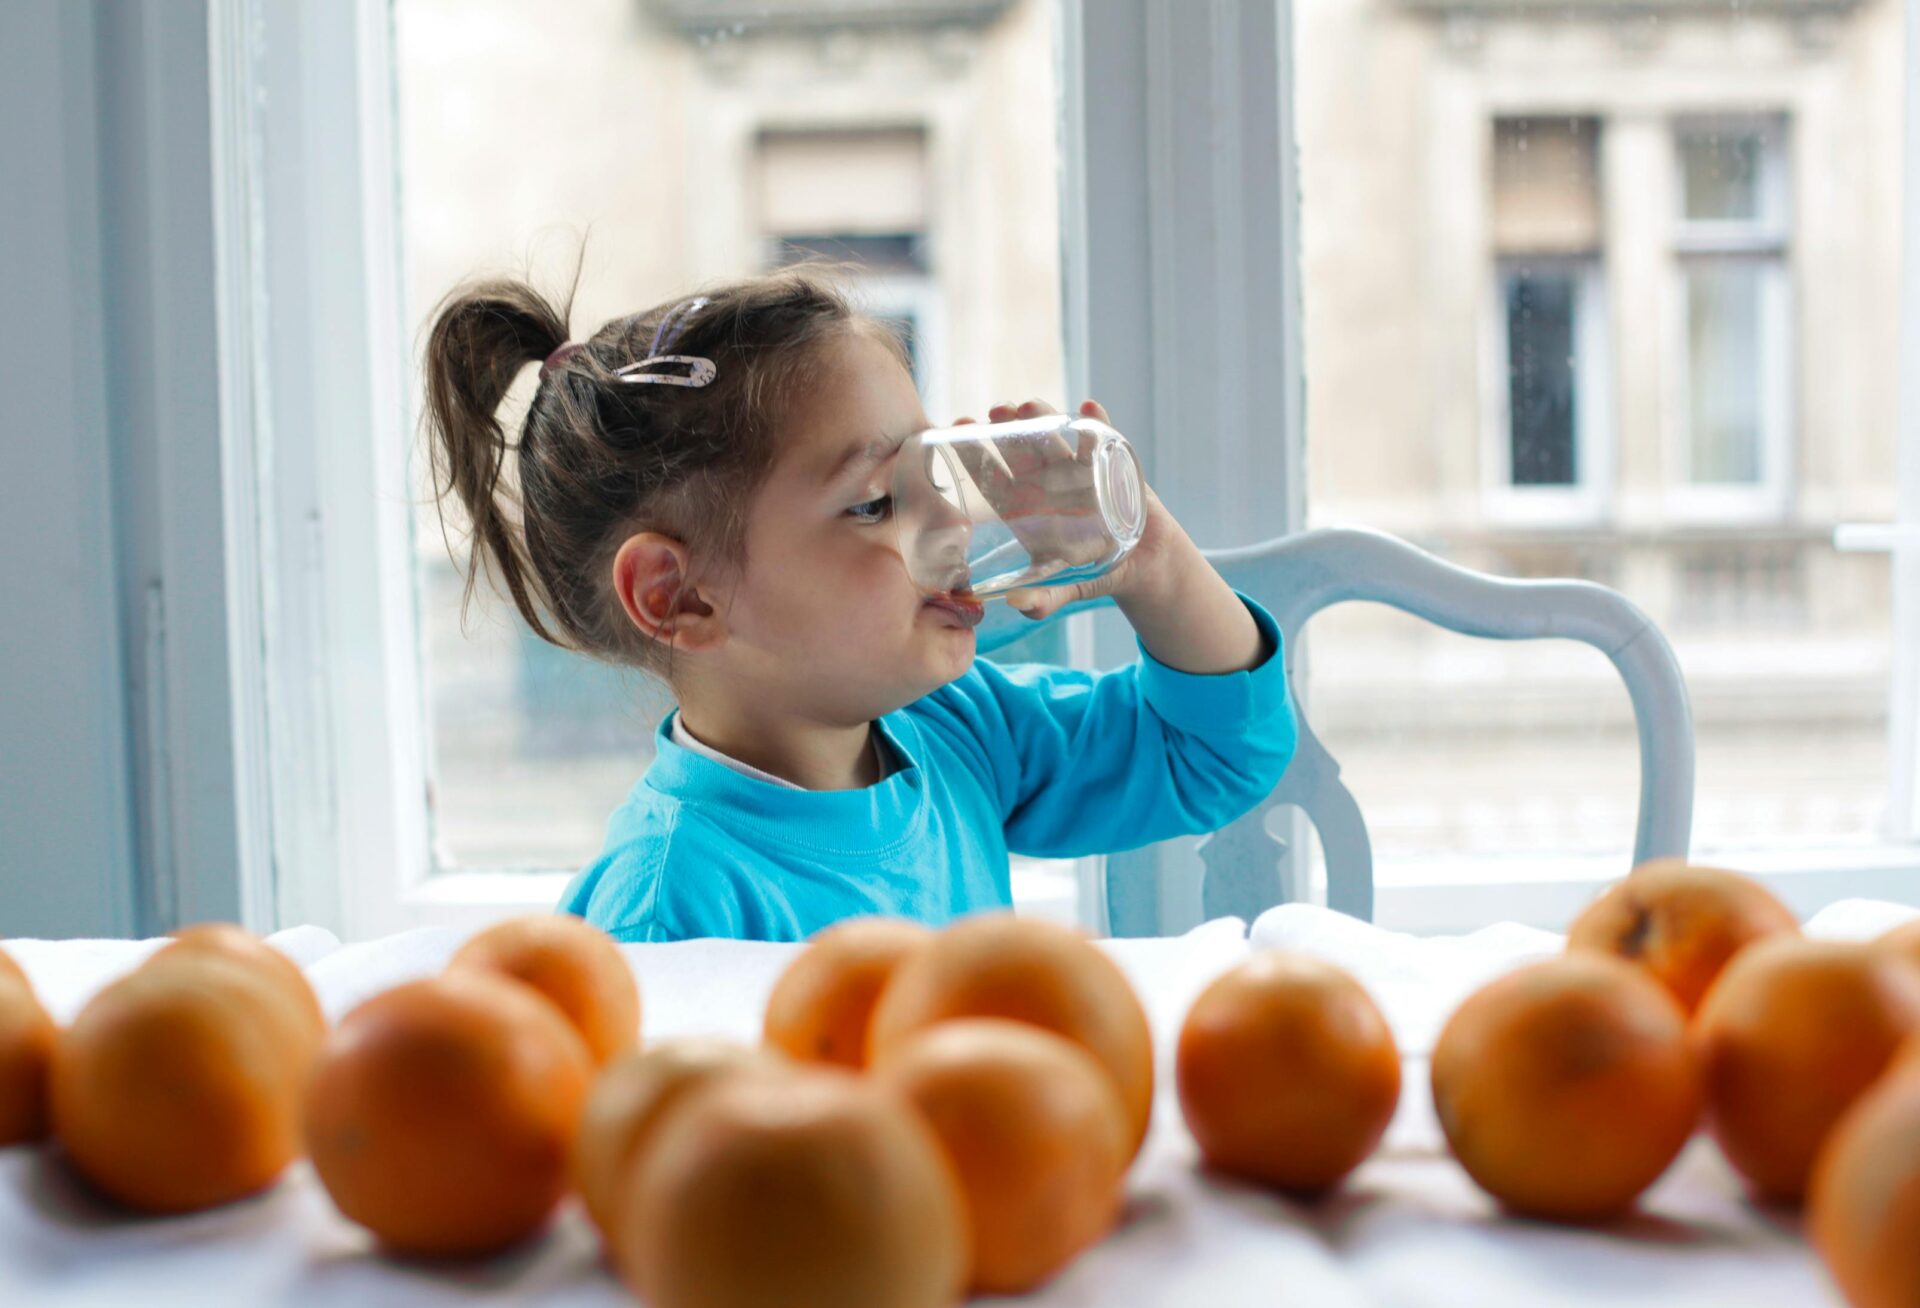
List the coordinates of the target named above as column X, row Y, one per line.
column 946, row 517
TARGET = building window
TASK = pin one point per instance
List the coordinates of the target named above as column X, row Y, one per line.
column 859, row 194
column 1548, row 260
column 1734, row 307
column 1542, row 305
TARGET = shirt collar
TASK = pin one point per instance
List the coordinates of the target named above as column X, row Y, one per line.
column 864, row 821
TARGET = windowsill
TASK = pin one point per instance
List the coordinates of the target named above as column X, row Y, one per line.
column 1521, row 8
column 1757, row 507
column 1046, row 888
column 1444, row 896
column 1575, row 507
column 1429, row 896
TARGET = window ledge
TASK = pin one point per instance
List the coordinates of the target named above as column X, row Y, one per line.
column 1612, row 10
column 1047, row 888
column 694, row 17
column 1457, row 895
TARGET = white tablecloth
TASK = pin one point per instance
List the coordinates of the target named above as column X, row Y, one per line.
column 1408, row 1229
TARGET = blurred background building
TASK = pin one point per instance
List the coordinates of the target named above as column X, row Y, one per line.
column 1591, row 289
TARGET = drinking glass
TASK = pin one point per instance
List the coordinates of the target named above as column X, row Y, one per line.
column 987, row 508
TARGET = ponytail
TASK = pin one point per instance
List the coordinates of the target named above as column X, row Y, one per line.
column 483, row 335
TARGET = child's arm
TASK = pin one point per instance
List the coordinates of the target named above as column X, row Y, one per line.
column 1085, row 762
column 1184, row 740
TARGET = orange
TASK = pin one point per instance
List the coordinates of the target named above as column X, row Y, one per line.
column 1680, row 922
column 27, row 1037
column 572, row 963
column 243, row 946
column 10, row 968
column 1903, row 941
column 998, row 965
column 179, row 1086
column 628, row 1102
column 1288, row 1073
column 820, row 1006
column 816, row 1187
column 1863, row 1206
column 442, row 1112
column 1566, row 1087
column 1790, row 1035
column 1035, row 1131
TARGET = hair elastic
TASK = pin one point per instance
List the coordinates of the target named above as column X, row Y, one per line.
column 560, row 356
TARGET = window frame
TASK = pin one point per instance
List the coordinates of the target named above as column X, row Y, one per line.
column 309, row 266
column 311, row 290
column 1768, row 242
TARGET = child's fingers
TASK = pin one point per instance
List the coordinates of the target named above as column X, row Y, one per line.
column 1041, row 602
column 1029, row 601
column 1038, row 605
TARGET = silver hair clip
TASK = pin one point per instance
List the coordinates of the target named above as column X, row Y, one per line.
column 700, row 371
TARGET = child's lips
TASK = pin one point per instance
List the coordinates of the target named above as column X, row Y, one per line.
column 964, row 609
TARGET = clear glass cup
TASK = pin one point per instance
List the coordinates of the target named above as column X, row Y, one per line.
column 987, row 508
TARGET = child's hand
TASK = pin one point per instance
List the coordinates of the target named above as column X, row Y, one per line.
column 1143, row 572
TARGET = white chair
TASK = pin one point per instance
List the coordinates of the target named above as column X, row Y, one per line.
column 1247, row 869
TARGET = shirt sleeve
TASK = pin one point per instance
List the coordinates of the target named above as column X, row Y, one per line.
column 1090, row 762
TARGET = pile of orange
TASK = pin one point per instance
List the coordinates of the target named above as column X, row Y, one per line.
column 1688, row 997
column 932, row 1113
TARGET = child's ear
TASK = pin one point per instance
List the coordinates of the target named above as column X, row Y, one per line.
column 650, row 577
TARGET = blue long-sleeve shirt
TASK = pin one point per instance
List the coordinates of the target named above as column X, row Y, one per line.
column 1028, row 758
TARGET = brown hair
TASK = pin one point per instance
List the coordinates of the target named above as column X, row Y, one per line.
column 599, row 459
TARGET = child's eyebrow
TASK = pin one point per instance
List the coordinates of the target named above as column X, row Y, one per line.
column 862, row 457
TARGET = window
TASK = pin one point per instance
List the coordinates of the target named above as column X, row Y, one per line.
column 859, row 194
column 1550, row 443
column 1687, row 321
column 1731, row 249
column 684, row 149
column 1486, row 772
column 1549, row 311
column 1543, row 316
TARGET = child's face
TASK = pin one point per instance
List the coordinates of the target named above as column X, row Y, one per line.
column 825, row 604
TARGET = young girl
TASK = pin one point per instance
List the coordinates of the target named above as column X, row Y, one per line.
column 700, row 491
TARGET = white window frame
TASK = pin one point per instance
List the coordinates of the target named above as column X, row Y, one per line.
column 1584, row 502
column 1768, row 241
column 307, row 249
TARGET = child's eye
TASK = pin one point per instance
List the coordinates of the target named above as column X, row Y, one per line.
column 872, row 510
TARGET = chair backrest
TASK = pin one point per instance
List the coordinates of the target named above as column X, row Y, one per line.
column 1247, row 869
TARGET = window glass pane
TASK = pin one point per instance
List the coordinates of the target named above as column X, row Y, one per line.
column 1721, row 175
column 689, row 141
column 1541, row 304
column 1724, row 325
column 1444, row 146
